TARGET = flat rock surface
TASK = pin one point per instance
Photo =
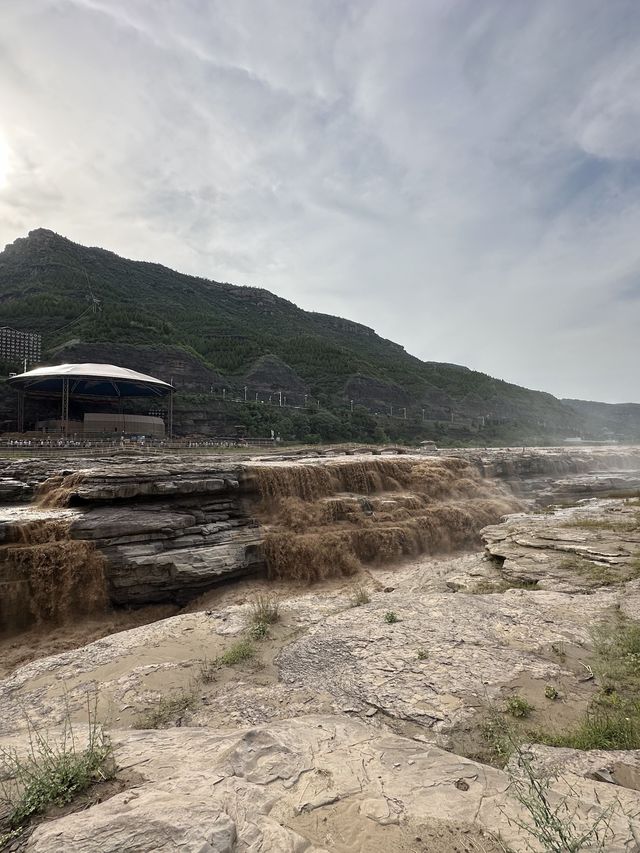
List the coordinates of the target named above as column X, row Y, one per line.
column 447, row 655
column 573, row 549
column 316, row 784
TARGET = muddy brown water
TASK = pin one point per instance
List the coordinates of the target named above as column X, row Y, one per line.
column 320, row 520
column 331, row 519
column 45, row 640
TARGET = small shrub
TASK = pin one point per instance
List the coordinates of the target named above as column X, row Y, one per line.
column 498, row 737
column 360, row 597
column 265, row 610
column 167, row 710
column 422, row 654
column 549, row 819
column 518, row 707
column 390, row 617
column 259, row 631
column 237, row 653
column 550, row 692
column 53, row 772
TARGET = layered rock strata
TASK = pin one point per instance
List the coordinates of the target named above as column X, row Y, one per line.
column 171, row 527
column 571, row 549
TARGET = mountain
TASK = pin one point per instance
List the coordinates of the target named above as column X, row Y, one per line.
column 229, row 349
column 607, row 419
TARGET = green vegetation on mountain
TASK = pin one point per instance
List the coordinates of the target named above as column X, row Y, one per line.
column 345, row 381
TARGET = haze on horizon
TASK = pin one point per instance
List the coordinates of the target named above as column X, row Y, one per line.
column 461, row 175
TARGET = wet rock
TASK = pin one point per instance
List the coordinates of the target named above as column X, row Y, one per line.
column 13, row 491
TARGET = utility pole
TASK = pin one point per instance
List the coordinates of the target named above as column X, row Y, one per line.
column 423, row 416
column 280, row 395
column 351, row 401
column 245, row 393
column 224, row 393
column 391, row 411
column 404, row 413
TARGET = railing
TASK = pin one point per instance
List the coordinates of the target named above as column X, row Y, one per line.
column 51, row 446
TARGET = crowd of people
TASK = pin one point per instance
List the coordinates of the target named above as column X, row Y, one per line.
column 73, row 443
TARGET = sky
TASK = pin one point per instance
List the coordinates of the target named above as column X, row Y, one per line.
column 461, row 175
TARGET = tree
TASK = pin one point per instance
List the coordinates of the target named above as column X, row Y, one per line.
column 327, row 426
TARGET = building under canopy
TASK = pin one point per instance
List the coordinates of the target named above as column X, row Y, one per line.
column 90, row 382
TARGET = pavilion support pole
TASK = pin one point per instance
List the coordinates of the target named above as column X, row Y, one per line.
column 65, row 406
column 20, row 411
column 170, row 418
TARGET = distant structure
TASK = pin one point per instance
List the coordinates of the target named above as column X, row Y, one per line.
column 77, row 387
column 23, row 348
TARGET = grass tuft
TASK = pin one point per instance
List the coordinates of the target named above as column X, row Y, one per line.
column 168, row 710
column 207, row 673
column 601, row 574
column 548, row 817
column 237, row 653
column 390, row 617
column 488, row 587
column 265, row 610
column 619, row 525
column 360, row 596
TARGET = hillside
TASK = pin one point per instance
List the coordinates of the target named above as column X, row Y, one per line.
column 215, row 339
column 607, row 418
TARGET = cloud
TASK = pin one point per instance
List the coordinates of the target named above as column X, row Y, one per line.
column 463, row 177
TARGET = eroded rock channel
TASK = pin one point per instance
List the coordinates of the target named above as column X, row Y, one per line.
column 353, row 629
